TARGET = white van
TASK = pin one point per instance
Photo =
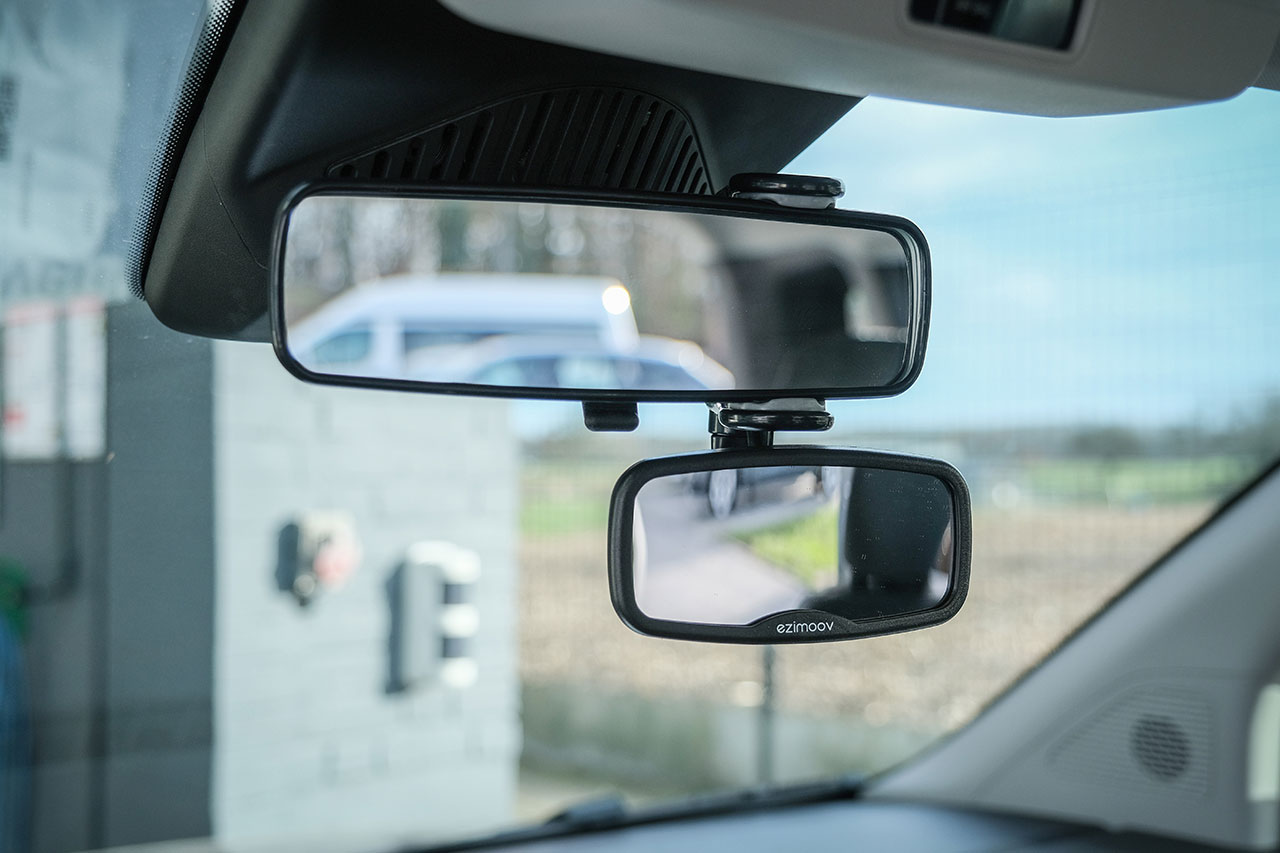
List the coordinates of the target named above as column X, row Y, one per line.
column 375, row 328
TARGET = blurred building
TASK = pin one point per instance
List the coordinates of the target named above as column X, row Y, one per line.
column 174, row 664
column 179, row 684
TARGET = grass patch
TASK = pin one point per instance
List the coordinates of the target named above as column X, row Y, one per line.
column 560, row 498
column 560, row 516
column 806, row 547
column 1137, row 480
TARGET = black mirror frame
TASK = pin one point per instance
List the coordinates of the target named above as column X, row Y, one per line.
column 768, row 629
column 906, row 232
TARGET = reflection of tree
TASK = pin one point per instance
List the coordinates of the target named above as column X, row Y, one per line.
column 339, row 243
column 453, row 237
column 336, row 243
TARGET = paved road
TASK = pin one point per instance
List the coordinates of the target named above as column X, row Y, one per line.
column 695, row 571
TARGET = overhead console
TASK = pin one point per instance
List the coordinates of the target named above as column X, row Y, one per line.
column 1040, row 57
column 297, row 91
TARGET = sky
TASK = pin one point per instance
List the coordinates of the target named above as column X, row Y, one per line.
column 1118, row 269
column 1113, row 270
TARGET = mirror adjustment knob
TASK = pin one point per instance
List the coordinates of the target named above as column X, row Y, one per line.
column 806, row 191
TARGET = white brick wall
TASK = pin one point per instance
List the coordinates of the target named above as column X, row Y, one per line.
column 307, row 742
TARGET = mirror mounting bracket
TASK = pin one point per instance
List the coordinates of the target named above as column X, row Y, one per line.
column 811, row 192
column 730, row 424
column 753, row 424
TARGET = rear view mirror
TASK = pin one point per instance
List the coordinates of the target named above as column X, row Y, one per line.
column 788, row 545
column 624, row 298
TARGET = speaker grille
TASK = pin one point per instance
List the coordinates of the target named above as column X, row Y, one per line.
column 1158, row 739
column 1160, row 747
column 602, row 138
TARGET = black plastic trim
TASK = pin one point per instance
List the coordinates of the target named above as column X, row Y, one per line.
column 905, row 231
column 206, row 55
column 610, row 417
column 304, row 84
column 622, row 512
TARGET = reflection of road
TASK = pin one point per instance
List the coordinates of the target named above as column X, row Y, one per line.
column 695, row 571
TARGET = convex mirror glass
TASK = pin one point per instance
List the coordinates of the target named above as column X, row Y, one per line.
column 788, row 544
column 583, row 298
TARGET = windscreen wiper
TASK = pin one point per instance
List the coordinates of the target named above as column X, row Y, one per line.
column 609, row 812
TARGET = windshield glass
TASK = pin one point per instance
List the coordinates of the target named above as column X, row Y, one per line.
column 241, row 608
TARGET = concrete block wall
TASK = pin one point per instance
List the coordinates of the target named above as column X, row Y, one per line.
column 118, row 551
column 308, row 741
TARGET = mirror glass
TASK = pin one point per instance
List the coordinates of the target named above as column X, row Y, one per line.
column 525, row 295
column 734, row 546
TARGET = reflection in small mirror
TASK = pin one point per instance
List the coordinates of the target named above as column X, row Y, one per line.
column 573, row 296
column 737, row 545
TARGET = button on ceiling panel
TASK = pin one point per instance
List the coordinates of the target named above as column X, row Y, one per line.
column 1043, row 23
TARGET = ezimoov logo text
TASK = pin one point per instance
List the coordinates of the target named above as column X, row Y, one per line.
column 804, row 627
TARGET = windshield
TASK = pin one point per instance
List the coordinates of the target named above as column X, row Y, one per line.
column 241, row 608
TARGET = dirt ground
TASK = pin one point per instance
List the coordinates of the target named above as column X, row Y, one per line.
column 1037, row 574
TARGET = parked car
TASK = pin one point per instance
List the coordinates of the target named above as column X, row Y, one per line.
column 724, row 488
column 378, row 328
column 548, row 361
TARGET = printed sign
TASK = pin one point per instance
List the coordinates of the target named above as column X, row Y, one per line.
column 31, row 381
column 85, row 378
column 55, row 380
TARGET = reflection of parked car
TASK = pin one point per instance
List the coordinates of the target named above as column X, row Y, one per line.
column 375, row 329
column 543, row 361
column 723, row 488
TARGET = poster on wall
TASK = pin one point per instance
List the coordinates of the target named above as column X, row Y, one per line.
column 75, row 56
column 60, row 215
column 84, row 384
column 31, row 429
column 54, row 374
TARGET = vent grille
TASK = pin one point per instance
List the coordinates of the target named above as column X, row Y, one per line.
column 599, row 138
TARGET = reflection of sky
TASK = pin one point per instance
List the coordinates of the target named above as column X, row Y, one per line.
column 1118, row 269
column 1107, row 269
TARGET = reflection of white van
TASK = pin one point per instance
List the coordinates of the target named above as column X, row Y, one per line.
column 374, row 328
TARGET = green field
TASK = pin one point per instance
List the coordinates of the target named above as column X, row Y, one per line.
column 1128, row 481
column 566, row 495
column 562, row 497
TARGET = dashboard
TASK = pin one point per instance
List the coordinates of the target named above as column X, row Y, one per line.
column 901, row 827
